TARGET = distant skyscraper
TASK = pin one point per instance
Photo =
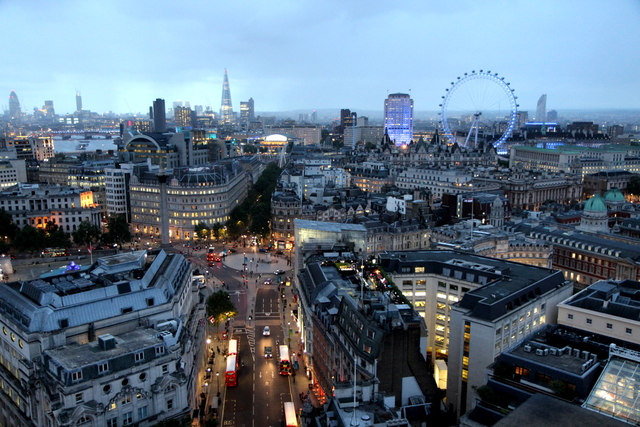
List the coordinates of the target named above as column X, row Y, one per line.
column 78, row 101
column 346, row 118
column 183, row 116
column 552, row 116
column 541, row 111
column 398, row 118
column 14, row 106
column 49, row 111
column 247, row 113
column 159, row 116
column 226, row 108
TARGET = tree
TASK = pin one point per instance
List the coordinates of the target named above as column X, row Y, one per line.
column 30, row 239
column 216, row 228
column 219, row 306
column 8, row 229
column 118, row 230
column 86, row 233
column 202, row 230
column 55, row 237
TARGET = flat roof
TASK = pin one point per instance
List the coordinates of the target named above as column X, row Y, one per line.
column 543, row 411
column 328, row 226
column 73, row 356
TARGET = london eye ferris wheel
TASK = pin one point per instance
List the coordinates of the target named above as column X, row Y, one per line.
column 478, row 104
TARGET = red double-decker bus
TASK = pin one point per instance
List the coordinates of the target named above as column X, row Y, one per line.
column 231, row 375
column 233, row 348
column 285, row 362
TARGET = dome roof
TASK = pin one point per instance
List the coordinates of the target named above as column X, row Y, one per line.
column 614, row 195
column 595, row 204
column 276, row 138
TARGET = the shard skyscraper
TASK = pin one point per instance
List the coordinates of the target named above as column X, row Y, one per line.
column 226, row 108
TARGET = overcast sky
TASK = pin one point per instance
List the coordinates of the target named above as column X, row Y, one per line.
column 315, row 54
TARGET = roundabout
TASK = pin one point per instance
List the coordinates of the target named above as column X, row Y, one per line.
column 256, row 262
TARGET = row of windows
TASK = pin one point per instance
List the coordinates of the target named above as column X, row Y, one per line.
column 589, row 321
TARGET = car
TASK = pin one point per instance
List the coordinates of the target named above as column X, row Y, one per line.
column 279, row 253
column 268, row 281
column 278, row 272
column 266, row 332
column 267, row 352
column 231, row 250
column 262, row 250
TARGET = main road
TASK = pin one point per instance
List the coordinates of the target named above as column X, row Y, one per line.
column 258, row 398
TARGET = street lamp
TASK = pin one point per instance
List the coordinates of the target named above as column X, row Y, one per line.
column 218, row 382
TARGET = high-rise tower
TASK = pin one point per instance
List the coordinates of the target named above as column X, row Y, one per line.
column 398, row 118
column 14, row 106
column 78, row 101
column 159, row 116
column 541, row 110
column 226, row 108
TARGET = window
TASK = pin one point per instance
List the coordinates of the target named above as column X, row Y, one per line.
column 628, row 330
column 165, row 369
column 609, row 326
column 112, row 422
column 589, row 321
column 523, row 372
column 569, row 316
column 170, row 404
column 103, row 367
column 159, row 350
column 76, row 376
column 127, row 418
column 139, row 356
column 126, row 399
column 79, row 398
column 142, row 413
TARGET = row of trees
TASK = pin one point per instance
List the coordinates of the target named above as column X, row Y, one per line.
column 35, row 239
column 254, row 213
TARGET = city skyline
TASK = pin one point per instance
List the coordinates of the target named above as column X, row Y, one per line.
column 319, row 56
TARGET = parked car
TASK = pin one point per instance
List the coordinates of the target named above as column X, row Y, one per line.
column 279, row 253
column 262, row 250
column 278, row 272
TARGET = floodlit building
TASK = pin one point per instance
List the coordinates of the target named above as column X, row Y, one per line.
column 36, row 205
column 398, row 118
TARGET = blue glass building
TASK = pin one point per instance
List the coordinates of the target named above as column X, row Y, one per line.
column 398, row 118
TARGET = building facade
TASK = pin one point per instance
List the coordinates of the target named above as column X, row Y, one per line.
column 494, row 318
column 200, row 195
column 37, row 205
column 398, row 118
column 99, row 346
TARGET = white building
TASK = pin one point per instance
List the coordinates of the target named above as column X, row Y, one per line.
column 205, row 194
column 12, row 172
column 99, row 346
column 117, row 189
column 438, row 180
column 495, row 317
column 36, row 205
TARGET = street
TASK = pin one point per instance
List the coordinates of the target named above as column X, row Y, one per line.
column 258, row 397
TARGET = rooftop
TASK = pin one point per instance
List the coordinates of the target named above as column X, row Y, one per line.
column 506, row 284
column 616, row 298
column 544, row 411
column 73, row 356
